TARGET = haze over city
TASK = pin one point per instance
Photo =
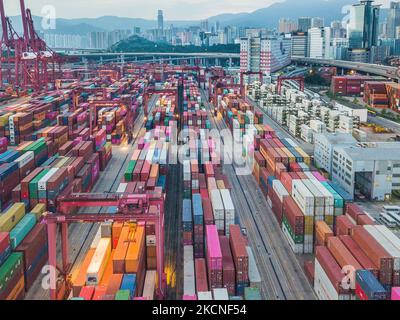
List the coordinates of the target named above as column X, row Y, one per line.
column 173, row 9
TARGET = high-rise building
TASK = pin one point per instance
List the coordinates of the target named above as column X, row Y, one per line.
column 393, row 19
column 304, row 24
column 287, row 26
column 299, row 44
column 160, row 20
column 339, row 47
column 204, row 25
column 317, row 22
column 337, row 29
column 362, row 29
column 319, row 43
column 265, row 55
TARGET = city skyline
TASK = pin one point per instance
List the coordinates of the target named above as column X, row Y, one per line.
column 184, row 10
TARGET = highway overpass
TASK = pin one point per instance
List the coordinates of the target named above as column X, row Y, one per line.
column 376, row 69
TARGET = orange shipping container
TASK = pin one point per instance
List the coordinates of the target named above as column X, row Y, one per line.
column 108, row 271
column 114, row 284
column 116, row 232
column 79, row 281
column 154, row 171
column 323, row 233
column 120, row 251
column 135, row 251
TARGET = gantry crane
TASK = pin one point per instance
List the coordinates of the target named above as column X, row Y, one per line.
column 248, row 73
column 26, row 57
column 299, row 79
column 137, row 208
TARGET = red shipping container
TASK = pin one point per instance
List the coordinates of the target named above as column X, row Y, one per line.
column 201, row 275
column 364, row 219
column 294, row 215
column 239, row 254
column 4, row 241
column 87, row 292
column 145, row 173
column 354, row 210
column 331, row 268
column 343, row 225
column 359, row 254
column 228, row 266
column 207, row 212
column 375, row 252
column 309, row 268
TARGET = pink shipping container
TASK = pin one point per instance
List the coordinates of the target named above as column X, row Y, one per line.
column 214, row 257
column 319, row 176
column 395, row 293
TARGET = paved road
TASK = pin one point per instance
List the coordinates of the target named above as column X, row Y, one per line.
column 385, row 123
column 282, row 276
column 81, row 235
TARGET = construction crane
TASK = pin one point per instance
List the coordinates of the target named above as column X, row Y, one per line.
column 300, row 80
column 132, row 208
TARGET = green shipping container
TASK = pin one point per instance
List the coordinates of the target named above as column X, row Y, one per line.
column 252, row 294
column 122, row 295
column 299, row 239
column 21, row 230
column 33, row 185
column 8, row 269
column 129, row 170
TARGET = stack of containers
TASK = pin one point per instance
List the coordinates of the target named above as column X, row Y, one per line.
column 187, row 221
column 198, row 222
column 240, row 258
column 213, row 257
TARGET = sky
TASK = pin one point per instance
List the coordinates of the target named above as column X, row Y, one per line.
column 173, row 9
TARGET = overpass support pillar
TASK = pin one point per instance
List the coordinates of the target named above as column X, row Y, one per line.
column 170, row 60
column 216, row 61
column 230, row 62
column 192, row 61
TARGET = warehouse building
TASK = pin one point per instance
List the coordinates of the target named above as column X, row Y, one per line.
column 324, row 143
column 372, row 169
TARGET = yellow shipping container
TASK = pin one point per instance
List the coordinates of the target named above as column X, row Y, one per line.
column 306, row 157
column 220, row 184
column 4, row 119
column 38, row 210
column 309, row 225
column 11, row 217
column 290, row 155
column 329, row 220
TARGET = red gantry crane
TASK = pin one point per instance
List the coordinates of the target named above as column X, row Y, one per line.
column 25, row 58
column 300, row 80
column 135, row 208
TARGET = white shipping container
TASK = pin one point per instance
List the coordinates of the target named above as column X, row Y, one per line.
column 254, row 274
column 149, row 285
column 386, row 244
column 217, row 204
column 99, row 262
column 42, row 184
column 319, row 200
column 228, row 204
column 323, row 287
column 204, row 296
column 96, row 239
column 122, row 187
column 329, row 199
column 186, row 170
column 189, row 285
column 280, row 189
column 303, row 197
column 220, row 294
column 25, row 159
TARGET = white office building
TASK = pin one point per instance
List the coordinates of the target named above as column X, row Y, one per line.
column 319, row 43
column 265, row 55
column 371, row 169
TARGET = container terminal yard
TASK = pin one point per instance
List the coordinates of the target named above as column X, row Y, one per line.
column 156, row 181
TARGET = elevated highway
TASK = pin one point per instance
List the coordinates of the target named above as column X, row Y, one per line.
column 376, row 69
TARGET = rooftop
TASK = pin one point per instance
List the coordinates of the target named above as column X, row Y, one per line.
column 339, row 138
column 374, row 152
